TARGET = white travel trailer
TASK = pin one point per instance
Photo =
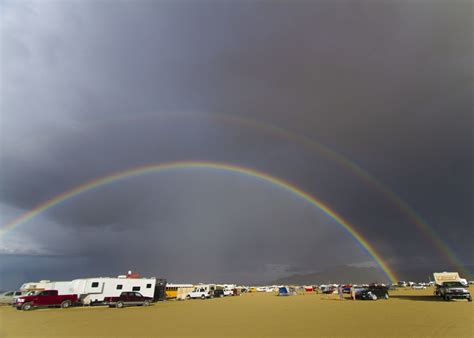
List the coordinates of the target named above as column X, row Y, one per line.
column 94, row 290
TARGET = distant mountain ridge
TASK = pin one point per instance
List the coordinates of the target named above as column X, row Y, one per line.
column 337, row 274
column 361, row 275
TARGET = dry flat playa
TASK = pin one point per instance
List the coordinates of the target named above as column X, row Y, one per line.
column 414, row 313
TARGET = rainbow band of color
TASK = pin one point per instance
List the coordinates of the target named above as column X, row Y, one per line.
column 155, row 168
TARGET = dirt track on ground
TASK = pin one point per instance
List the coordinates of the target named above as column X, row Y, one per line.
column 414, row 313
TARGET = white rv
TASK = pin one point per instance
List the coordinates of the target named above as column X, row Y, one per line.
column 94, row 290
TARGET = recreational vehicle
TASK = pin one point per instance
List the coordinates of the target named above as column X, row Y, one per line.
column 94, row 290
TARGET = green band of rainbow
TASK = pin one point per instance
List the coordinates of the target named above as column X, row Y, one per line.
column 171, row 166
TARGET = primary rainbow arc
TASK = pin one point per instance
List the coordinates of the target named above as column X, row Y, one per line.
column 170, row 166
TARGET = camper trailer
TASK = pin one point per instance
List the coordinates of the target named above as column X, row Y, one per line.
column 94, row 290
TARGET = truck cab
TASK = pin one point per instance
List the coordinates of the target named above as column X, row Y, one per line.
column 46, row 298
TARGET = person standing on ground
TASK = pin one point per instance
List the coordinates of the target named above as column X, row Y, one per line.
column 339, row 291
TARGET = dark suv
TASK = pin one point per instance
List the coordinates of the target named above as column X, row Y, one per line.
column 381, row 291
column 127, row 298
column 218, row 293
column 372, row 292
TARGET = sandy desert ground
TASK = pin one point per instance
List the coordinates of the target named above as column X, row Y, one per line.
column 414, row 313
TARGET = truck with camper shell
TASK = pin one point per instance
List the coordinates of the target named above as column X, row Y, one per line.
column 202, row 291
column 450, row 286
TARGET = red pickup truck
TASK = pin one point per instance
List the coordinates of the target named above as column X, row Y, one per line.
column 46, row 298
column 128, row 298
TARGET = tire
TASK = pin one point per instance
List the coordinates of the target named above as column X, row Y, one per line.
column 146, row 303
column 27, row 306
column 188, row 297
column 203, row 297
column 65, row 304
column 119, row 305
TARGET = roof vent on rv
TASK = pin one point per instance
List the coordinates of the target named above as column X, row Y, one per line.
column 131, row 274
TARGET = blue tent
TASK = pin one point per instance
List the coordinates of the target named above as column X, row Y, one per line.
column 283, row 291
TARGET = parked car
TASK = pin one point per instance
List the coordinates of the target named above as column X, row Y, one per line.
column 219, row 293
column 237, row 292
column 372, row 292
column 228, row 292
column 46, row 298
column 9, row 297
column 418, row 286
column 452, row 290
column 327, row 289
column 201, row 293
column 128, row 298
column 365, row 294
column 380, row 291
column 346, row 288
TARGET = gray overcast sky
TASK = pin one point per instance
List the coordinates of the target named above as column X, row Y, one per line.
column 94, row 87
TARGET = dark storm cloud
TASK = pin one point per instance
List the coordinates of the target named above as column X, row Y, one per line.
column 90, row 88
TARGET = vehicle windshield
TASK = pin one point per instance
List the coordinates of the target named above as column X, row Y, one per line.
column 453, row 284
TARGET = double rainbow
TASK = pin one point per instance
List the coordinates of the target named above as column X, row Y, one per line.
column 447, row 253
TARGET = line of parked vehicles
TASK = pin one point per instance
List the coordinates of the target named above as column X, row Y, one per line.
column 132, row 289
column 125, row 290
